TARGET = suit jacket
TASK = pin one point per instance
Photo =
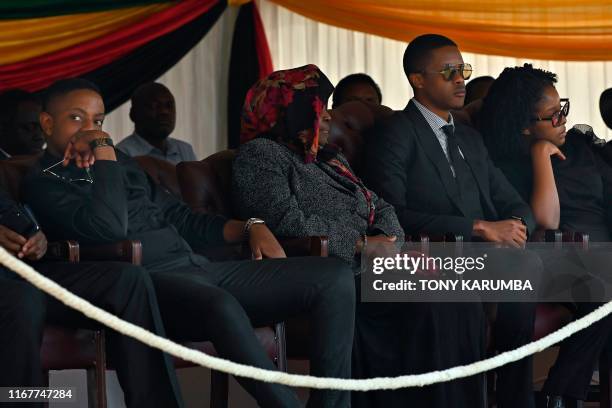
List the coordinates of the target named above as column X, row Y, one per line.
column 296, row 199
column 121, row 203
column 406, row 165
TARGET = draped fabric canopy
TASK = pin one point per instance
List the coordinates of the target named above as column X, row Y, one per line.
column 119, row 48
column 33, row 37
column 569, row 30
column 10, row 9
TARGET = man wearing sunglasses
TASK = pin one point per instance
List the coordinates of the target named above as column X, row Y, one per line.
column 438, row 175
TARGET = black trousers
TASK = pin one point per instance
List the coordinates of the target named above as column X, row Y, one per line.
column 22, row 315
column 571, row 374
column 393, row 339
column 145, row 374
column 514, row 324
column 223, row 301
column 514, row 328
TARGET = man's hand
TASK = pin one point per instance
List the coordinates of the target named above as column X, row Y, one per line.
column 511, row 232
column 11, row 241
column 78, row 149
column 264, row 244
column 34, row 248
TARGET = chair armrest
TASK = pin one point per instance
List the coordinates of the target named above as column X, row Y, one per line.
column 298, row 246
column 66, row 251
column 303, row 246
column 558, row 237
column 446, row 237
column 121, row 251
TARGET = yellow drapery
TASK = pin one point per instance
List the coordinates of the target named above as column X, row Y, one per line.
column 27, row 38
column 576, row 30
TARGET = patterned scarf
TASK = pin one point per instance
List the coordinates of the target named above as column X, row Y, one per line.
column 293, row 99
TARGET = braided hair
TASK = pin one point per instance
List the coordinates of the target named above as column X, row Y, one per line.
column 508, row 109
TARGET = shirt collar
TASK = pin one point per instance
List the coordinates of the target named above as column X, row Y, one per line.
column 172, row 148
column 435, row 122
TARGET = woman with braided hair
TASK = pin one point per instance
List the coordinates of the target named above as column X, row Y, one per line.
column 568, row 186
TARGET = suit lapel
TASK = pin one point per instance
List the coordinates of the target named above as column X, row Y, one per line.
column 479, row 176
column 431, row 145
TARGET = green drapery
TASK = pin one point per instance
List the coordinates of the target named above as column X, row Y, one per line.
column 14, row 9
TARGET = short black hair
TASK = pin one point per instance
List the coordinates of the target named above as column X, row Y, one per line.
column 65, row 86
column 353, row 79
column 144, row 91
column 419, row 48
column 508, row 109
column 11, row 99
column 605, row 107
column 472, row 85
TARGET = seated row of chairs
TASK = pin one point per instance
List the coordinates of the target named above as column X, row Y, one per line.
column 205, row 186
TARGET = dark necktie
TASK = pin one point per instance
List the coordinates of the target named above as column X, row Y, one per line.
column 451, row 145
column 461, row 170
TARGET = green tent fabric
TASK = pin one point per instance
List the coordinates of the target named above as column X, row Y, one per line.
column 18, row 9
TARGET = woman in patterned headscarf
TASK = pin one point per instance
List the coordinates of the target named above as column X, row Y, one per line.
column 310, row 185
column 288, row 174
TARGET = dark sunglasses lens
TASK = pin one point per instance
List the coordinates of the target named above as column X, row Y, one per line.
column 467, row 72
column 448, row 73
column 557, row 117
column 565, row 109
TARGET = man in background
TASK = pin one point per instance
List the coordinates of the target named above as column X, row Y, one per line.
column 20, row 132
column 154, row 115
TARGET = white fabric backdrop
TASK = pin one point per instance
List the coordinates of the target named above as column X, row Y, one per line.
column 295, row 40
column 199, row 80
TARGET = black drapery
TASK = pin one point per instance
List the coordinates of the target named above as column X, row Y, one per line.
column 119, row 79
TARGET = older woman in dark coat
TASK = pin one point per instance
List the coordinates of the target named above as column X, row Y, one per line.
column 287, row 174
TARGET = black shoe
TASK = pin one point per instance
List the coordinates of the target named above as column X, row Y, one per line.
column 555, row 401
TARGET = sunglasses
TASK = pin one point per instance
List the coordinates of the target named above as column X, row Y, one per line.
column 450, row 70
column 89, row 179
column 557, row 118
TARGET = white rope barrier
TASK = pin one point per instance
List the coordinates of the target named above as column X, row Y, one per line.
column 294, row 380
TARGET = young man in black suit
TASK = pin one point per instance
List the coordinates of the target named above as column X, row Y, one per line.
column 438, row 175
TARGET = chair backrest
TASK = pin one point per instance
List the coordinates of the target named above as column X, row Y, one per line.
column 12, row 172
column 605, row 107
column 161, row 171
column 206, row 185
column 350, row 124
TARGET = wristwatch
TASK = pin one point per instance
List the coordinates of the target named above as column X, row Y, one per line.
column 101, row 142
column 249, row 224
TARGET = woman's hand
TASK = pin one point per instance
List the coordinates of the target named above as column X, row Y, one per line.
column 264, row 244
column 373, row 240
column 544, row 148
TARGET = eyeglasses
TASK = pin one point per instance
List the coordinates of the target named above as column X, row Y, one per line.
column 557, row 118
column 450, row 70
column 89, row 179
